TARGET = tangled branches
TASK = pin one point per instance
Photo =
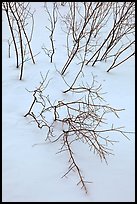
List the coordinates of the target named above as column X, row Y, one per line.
column 120, row 38
column 81, row 120
column 85, row 23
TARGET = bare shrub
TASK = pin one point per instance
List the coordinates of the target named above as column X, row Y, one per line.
column 84, row 21
column 52, row 17
column 120, row 37
column 19, row 15
column 81, row 120
column 10, row 21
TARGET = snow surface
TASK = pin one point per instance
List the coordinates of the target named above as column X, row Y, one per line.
column 32, row 173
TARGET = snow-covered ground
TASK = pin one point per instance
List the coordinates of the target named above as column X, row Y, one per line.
column 32, row 173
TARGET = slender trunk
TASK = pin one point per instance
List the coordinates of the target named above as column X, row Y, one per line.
column 13, row 37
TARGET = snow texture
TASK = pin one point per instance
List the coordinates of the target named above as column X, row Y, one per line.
column 32, row 173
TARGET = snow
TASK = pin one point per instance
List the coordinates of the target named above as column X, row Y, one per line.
column 31, row 170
